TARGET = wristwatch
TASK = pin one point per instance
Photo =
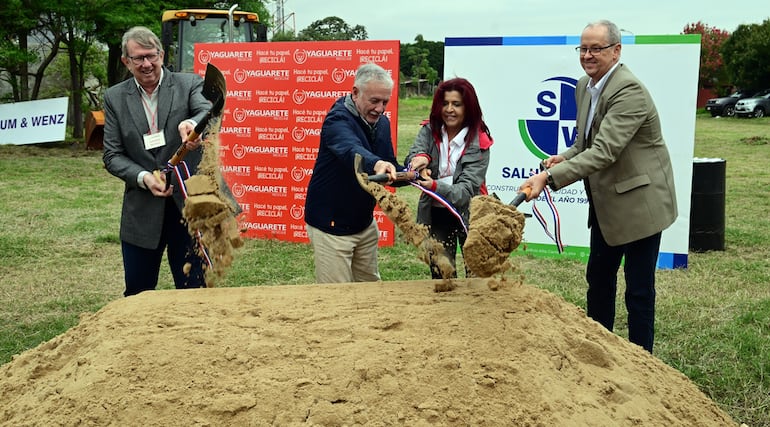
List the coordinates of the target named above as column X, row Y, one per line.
column 549, row 180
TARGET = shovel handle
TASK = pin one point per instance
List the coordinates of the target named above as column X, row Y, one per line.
column 192, row 136
column 178, row 156
column 521, row 196
column 400, row 176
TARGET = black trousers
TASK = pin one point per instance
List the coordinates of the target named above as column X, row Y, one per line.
column 142, row 266
column 639, row 269
column 446, row 229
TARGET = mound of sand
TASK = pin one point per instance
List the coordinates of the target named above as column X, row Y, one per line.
column 347, row 354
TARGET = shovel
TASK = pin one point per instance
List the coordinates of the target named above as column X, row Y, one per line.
column 398, row 211
column 214, row 89
column 363, row 178
column 520, row 197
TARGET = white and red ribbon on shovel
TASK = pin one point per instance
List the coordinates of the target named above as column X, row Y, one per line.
column 556, row 235
column 182, row 172
column 441, row 200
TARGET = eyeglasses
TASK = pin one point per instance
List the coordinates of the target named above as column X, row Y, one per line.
column 594, row 50
column 139, row 60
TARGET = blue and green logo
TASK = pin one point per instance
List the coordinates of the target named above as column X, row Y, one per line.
column 554, row 128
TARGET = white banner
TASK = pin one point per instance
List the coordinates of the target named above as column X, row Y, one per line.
column 33, row 121
column 526, row 87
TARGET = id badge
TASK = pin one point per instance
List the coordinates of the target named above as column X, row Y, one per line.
column 154, row 140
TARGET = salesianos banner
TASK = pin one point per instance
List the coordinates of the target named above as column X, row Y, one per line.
column 526, row 86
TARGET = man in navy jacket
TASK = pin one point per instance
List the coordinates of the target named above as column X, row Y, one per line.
column 338, row 212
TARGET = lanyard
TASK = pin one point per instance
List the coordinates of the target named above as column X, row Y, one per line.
column 150, row 110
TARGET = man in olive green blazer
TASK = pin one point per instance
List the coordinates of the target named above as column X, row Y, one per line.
column 622, row 158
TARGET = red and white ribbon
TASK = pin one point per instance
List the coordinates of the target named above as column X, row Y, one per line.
column 182, row 172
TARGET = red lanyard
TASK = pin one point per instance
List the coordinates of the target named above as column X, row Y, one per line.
column 151, row 114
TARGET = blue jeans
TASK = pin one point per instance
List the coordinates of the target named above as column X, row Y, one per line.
column 641, row 258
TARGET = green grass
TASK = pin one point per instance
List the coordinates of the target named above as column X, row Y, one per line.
column 60, row 256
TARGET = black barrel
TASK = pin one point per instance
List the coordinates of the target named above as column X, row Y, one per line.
column 707, row 205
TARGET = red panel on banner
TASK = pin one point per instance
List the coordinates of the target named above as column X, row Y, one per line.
column 278, row 95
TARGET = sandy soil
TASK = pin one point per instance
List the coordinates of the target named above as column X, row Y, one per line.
column 210, row 211
column 395, row 353
column 397, row 210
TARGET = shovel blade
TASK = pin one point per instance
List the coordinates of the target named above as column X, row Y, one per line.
column 214, row 85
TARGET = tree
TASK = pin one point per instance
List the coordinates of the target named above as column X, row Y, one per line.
column 747, row 55
column 79, row 28
column 74, row 25
column 712, row 71
column 435, row 55
column 113, row 21
column 20, row 25
column 283, row 36
column 105, row 21
column 422, row 60
column 332, row 28
column 420, row 68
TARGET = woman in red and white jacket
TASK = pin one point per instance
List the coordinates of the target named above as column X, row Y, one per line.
column 452, row 152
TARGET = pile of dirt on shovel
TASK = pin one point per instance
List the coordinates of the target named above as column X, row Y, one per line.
column 210, row 213
column 355, row 354
column 429, row 250
column 495, row 230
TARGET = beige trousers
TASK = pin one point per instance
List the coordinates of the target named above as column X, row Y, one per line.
column 340, row 259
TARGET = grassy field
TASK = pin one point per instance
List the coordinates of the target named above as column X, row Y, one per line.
column 60, row 256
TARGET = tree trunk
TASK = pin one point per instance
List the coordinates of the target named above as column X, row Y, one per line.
column 116, row 72
column 23, row 69
column 77, row 91
column 40, row 72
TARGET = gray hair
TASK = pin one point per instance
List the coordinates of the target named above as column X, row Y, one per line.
column 613, row 33
column 143, row 36
column 370, row 72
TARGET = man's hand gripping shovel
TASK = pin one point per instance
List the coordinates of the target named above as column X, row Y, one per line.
column 214, row 89
column 364, row 178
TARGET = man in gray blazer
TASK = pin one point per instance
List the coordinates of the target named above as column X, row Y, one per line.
column 623, row 161
column 146, row 118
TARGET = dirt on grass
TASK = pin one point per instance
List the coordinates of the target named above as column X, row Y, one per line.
column 374, row 354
